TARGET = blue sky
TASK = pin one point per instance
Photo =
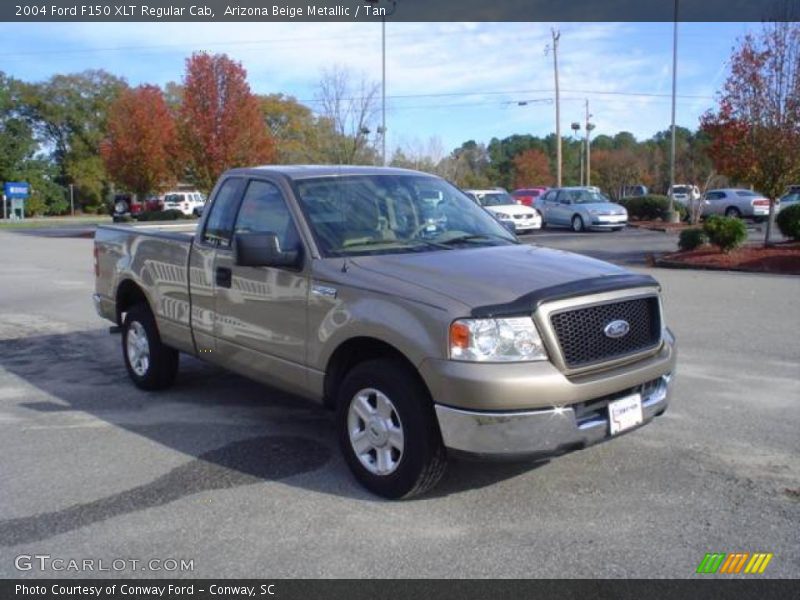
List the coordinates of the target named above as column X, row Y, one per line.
column 446, row 81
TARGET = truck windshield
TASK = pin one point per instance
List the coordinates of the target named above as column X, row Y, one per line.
column 388, row 214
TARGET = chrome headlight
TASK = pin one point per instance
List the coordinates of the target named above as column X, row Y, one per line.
column 500, row 215
column 512, row 339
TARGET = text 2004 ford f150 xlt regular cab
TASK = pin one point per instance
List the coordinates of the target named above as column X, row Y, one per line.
column 391, row 297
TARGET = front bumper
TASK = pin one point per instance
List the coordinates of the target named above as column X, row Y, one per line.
column 533, row 408
column 604, row 223
column 523, row 224
column 544, row 432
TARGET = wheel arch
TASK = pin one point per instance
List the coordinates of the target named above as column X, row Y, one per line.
column 354, row 351
column 129, row 294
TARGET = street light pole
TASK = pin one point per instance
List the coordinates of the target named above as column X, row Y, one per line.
column 556, row 36
column 71, row 200
column 673, row 217
column 589, row 127
column 576, row 127
column 387, row 13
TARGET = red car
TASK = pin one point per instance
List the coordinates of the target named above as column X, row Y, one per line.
column 528, row 196
column 125, row 206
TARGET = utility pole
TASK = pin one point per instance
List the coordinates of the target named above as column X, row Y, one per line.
column 672, row 216
column 383, row 91
column 5, row 216
column 71, row 200
column 589, row 127
column 556, row 36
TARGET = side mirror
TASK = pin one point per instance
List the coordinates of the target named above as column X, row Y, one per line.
column 264, row 250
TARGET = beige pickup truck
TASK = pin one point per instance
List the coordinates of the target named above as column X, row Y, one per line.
column 391, row 297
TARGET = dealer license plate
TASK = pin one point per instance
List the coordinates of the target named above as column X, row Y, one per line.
column 625, row 413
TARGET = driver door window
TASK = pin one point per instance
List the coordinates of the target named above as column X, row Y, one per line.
column 264, row 210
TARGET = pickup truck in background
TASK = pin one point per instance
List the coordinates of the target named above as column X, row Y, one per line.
column 428, row 337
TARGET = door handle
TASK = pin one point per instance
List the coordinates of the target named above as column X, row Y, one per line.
column 224, row 277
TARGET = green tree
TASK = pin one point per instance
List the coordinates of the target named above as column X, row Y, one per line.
column 68, row 113
column 467, row 166
column 299, row 136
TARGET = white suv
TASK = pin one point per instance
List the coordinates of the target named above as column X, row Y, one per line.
column 188, row 202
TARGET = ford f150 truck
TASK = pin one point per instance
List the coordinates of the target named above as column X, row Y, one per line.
column 428, row 336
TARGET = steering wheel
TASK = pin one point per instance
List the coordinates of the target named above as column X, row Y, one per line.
column 417, row 233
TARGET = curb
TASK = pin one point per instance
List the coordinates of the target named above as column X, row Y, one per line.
column 676, row 264
column 661, row 229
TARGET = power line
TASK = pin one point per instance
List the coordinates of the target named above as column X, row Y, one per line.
column 536, row 91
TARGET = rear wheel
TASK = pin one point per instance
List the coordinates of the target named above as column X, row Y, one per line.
column 577, row 224
column 388, row 431
column 732, row 212
column 151, row 365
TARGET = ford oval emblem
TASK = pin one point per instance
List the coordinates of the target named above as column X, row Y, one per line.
column 617, row 329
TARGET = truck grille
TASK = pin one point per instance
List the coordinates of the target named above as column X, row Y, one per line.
column 582, row 338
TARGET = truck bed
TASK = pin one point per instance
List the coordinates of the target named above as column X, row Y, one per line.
column 156, row 258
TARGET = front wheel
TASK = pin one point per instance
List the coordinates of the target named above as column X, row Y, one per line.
column 151, row 365
column 388, row 431
column 577, row 224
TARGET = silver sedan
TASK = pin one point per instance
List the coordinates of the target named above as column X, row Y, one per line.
column 580, row 208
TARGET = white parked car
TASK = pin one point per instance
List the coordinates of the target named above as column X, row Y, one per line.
column 735, row 203
column 506, row 209
column 188, row 202
column 684, row 193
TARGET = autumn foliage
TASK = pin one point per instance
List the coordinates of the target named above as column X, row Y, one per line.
column 140, row 149
column 755, row 131
column 532, row 167
column 220, row 122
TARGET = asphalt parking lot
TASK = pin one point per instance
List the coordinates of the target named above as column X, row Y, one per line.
column 247, row 481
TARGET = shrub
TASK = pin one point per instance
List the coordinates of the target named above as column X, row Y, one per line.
column 725, row 232
column 789, row 221
column 35, row 206
column 692, row 238
column 160, row 215
column 650, row 207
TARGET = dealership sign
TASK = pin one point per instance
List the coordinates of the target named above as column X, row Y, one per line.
column 16, row 190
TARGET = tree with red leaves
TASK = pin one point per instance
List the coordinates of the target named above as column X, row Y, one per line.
column 755, row 132
column 220, row 121
column 141, row 144
column 531, row 167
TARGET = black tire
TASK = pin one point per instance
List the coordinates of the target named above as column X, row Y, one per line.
column 162, row 361
column 423, row 459
column 732, row 212
column 577, row 224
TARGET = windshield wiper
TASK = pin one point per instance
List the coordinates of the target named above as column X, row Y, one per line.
column 477, row 237
column 394, row 244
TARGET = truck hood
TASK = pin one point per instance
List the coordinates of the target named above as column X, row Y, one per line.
column 485, row 276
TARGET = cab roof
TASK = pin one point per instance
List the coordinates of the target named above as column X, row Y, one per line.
column 313, row 171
